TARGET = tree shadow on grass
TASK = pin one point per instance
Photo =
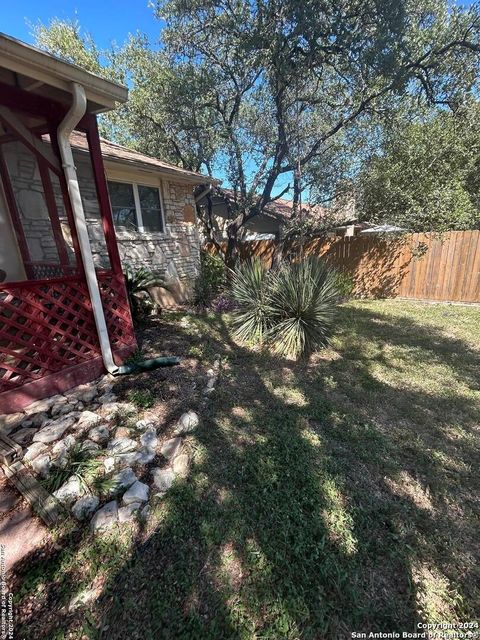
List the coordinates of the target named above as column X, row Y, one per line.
column 304, row 516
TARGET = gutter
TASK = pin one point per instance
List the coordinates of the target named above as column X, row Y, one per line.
column 74, row 115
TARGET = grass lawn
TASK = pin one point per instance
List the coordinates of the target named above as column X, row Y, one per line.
column 326, row 497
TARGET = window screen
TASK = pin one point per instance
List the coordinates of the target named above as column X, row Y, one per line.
column 123, row 205
column 151, row 209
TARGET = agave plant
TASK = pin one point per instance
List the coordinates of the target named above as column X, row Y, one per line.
column 138, row 283
column 291, row 308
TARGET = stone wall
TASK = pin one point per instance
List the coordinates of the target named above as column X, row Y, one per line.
column 173, row 254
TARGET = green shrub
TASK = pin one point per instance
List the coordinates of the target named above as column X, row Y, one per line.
column 291, row 309
column 211, row 279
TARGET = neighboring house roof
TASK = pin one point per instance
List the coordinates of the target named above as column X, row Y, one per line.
column 280, row 209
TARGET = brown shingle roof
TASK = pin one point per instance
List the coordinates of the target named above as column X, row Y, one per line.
column 117, row 152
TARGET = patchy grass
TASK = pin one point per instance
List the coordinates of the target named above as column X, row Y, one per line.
column 325, row 497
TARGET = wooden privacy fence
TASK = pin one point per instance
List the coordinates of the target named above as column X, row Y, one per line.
column 424, row 266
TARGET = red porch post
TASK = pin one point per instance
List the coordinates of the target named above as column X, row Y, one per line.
column 101, row 186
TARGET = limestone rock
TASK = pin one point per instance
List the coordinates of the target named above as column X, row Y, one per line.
column 123, row 480
column 145, row 513
column 149, row 439
column 187, row 422
column 10, row 422
column 60, row 405
column 85, row 507
column 87, row 421
column 41, row 406
column 99, row 434
column 145, row 456
column 64, row 445
column 163, row 478
column 54, row 430
column 41, row 465
column 105, row 517
column 171, row 448
column 89, row 445
column 34, row 450
column 122, row 445
column 83, row 393
column 70, row 491
column 127, row 512
column 180, row 465
column 138, row 492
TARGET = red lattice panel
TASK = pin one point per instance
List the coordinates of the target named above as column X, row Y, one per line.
column 116, row 309
column 44, row 328
column 48, row 326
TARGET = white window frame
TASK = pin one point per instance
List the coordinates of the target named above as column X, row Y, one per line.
column 138, row 207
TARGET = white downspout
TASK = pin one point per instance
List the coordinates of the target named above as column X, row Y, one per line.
column 74, row 115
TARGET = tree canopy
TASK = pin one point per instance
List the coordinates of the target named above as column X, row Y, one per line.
column 426, row 175
column 268, row 91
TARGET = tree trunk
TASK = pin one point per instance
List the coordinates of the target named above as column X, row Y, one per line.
column 231, row 252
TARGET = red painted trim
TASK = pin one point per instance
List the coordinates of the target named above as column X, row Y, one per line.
column 30, row 146
column 102, row 193
column 15, row 216
column 52, row 212
column 16, row 98
column 18, row 399
column 36, row 283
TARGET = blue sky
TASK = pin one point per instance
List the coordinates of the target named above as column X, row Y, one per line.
column 106, row 20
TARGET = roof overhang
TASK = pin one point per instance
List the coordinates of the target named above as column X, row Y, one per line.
column 40, row 70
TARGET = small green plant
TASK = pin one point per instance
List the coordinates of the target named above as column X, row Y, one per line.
column 211, row 279
column 142, row 398
column 123, row 417
column 82, row 463
column 291, row 308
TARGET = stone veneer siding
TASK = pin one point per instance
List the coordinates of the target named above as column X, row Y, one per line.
column 174, row 253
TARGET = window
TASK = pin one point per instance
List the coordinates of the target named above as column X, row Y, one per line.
column 136, row 207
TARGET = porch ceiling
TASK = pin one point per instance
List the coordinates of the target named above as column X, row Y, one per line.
column 42, row 73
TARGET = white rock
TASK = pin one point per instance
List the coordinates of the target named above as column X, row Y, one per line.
column 126, row 459
column 180, row 465
column 187, row 422
column 70, row 491
column 163, row 478
column 123, row 480
column 41, row 465
column 63, row 445
column 85, row 597
column 138, row 492
column 54, row 430
column 87, row 420
column 99, row 434
column 127, row 512
column 145, row 456
column 83, row 508
column 149, row 439
column 105, row 517
column 37, row 420
column 88, row 445
column 107, row 398
column 122, row 445
column 109, row 464
column 41, row 406
column 59, row 405
column 171, row 448
column 10, row 422
column 211, row 374
column 145, row 512
column 34, row 450
column 83, row 393
column 144, row 424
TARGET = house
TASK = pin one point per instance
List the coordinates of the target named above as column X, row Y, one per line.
column 153, row 209
column 268, row 224
column 64, row 313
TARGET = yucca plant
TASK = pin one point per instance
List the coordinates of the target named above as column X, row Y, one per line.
column 291, row 308
column 250, row 290
column 303, row 303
